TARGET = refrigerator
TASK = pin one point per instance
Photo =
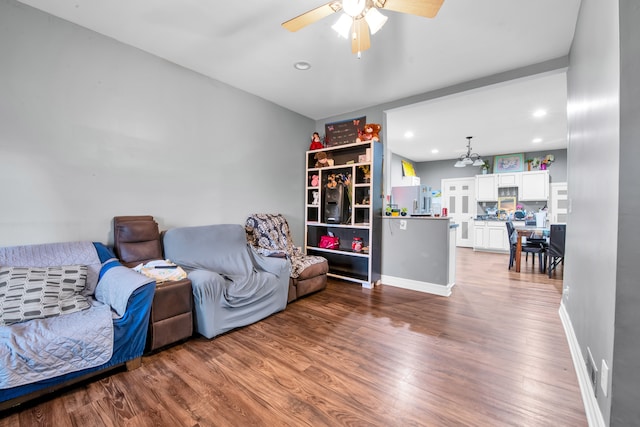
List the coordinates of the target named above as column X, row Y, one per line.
column 416, row 198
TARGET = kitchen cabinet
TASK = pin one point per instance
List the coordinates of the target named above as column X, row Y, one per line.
column 534, row 186
column 349, row 211
column 509, row 179
column 486, row 188
column 490, row 236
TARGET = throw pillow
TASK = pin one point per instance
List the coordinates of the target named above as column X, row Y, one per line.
column 39, row 292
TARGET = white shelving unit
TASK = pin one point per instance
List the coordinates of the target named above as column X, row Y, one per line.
column 362, row 213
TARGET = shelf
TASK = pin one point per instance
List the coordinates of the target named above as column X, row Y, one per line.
column 361, row 210
column 339, row 251
column 324, row 224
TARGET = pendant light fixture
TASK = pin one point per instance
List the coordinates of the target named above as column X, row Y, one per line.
column 470, row 158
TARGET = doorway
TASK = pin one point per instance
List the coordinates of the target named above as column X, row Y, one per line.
column 459, row 197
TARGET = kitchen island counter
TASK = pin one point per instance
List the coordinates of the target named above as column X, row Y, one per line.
column 419, row 253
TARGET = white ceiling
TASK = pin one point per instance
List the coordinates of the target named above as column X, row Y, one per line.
column 500, row 118
column 242, row 44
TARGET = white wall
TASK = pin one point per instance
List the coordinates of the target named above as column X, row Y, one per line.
column 91, row 128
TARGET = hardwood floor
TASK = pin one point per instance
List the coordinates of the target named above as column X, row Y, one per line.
column 492, row 354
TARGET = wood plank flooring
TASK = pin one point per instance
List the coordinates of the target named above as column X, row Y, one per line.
column 492, row 354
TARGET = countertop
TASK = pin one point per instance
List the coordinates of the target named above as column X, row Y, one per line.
column 495, row 219
column 416, row 217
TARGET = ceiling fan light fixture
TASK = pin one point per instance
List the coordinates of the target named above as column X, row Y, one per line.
column 375, row 20
column 343, row 26
column 362, row 17
column 354, row 8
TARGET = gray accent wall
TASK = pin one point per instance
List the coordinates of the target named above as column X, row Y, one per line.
column 91, row 128
column 589, row 293
column 626, row 351
column 601, row 292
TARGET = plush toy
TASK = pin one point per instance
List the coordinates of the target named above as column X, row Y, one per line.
column 315, row 180
column 331, row 181
column 370, row 132
column 321, row 159
column 316, row 143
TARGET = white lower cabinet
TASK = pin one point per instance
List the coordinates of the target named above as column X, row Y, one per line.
column 490, row 236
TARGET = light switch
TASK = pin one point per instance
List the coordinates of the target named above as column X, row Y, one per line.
column 403, row 224
column 604, row 377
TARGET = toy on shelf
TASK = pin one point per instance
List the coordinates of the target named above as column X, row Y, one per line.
column 370, row 132
column 321, row 159
column 316, row 143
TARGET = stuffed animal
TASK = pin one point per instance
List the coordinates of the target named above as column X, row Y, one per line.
column 331, row 181
column 321, row 159
column 316, row 143
column 370, row 132
column 315, row 180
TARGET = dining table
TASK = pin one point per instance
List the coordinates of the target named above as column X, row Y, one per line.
column 528, row 231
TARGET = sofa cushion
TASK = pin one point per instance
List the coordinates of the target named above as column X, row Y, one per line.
column 221, row 248
column 39, row 292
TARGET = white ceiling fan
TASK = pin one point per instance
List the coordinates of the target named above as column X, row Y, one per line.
column 362, row 18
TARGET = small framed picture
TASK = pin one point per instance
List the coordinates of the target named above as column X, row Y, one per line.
column 362, row 158
column 508, row 163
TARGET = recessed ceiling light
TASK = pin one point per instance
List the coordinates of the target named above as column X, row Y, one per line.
column 302, row 65
column 537, row 140
column 435, row 151
column 540, row 113
column 408, row 134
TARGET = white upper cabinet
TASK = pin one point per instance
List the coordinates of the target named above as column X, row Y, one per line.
column 534, row 186
column 486, row 188
column 509, row 179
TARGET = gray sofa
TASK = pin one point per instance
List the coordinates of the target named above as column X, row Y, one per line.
column 233, row 285
column 47, row 352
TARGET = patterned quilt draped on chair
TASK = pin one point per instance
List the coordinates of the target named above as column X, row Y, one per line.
column 269, row 234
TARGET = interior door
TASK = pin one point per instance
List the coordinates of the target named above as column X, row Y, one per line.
column 559, row 205
column 459, row 197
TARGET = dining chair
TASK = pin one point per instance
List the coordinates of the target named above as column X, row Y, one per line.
column 555, row 251
column 533, row 246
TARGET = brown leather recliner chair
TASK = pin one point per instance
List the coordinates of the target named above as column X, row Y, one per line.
column 137, row 240
column 269, row 234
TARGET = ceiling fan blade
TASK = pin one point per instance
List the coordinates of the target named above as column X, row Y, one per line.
column 426, row 8
column 360, row 40
column 312, row 16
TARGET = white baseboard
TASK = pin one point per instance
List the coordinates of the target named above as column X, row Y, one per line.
column 415, row 285
column 592, row 410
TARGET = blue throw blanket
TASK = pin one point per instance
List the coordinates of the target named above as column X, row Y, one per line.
column 46, row 348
